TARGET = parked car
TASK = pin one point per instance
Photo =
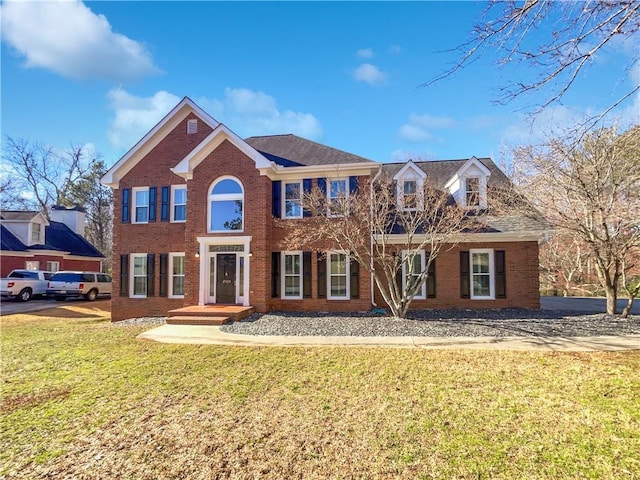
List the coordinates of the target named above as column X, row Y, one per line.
column 24, row 284
column 89, row 285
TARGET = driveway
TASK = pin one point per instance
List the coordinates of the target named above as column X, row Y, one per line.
column 8, row 307
column 584, row 304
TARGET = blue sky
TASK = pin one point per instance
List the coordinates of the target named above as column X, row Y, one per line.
column 348, row 75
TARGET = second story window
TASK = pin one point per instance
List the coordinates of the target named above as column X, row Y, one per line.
column 472, row 191
column 337, row 192
column 293, row 200
column 226, row 206
column 410, row 195
column 35, row 233
column 178, row 203
column 141, row 205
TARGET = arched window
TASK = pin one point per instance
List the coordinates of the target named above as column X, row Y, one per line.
column 226, row 206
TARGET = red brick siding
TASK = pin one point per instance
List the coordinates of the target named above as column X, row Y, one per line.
column 10, row 262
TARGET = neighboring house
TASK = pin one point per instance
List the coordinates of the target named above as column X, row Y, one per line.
column 194, row 225
column 28, row 240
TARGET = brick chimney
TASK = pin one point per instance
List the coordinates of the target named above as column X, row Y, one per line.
column 72, row 217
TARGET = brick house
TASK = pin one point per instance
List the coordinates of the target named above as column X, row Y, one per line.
column 194, row 225
column 28, row 240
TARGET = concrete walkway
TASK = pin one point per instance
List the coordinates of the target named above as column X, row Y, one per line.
column 210, row 335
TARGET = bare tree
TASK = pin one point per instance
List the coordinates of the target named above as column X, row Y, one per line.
column 374, row 226
column 590, row 190
column 554, row 41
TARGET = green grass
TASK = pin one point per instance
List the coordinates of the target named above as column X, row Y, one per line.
column 84, row 399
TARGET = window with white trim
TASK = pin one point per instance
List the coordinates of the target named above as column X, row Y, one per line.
column 226, row 206
column 192, row 126
column 176, row 278
column 141, row 205
column 35, row 233
column 52, row 266
column 138, row 280
column 410, row 195
column 338, row 276
column 178, row 203
column 337, row 191
column 412, row 268
column 32, row 265
column 292, row 199
column 482, row 274
column 291, row 275
column 472, row 191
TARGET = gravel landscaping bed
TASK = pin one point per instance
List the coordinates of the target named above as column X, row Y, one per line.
column 440, row 323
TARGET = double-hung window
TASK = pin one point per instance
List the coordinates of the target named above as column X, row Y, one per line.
column 141, row 205
column 410, row 195
column 292, row 199
column 35, row 233
column 176, row 279
column 178, row 203
column 138, row 275
column 338, row 277
column 472, row 191
column 482, row 274
column 413, row 264
column 292, row 275
column 52, row 266
column 337, row 193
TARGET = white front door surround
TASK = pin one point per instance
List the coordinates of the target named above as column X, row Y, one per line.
column 208, row 249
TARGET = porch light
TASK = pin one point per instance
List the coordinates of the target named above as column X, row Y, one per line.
column 250, row 254
column 197, row 253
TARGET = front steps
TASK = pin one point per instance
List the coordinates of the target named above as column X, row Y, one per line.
column 208, row 314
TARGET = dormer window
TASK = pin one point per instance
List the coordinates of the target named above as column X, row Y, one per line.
column 35, row 233
column 409, row 187
column 472, row 192
column 410, row 195
column 192, row 126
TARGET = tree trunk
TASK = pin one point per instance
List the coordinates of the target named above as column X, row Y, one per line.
column 627, row 308
column 612, row 301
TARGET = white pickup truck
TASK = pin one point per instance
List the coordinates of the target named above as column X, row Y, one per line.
column 24, row 284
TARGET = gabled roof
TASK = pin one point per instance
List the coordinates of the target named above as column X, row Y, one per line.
column 9, row 242
column 61, row 238
column 155, row 135
column 302, row 151
column 441, row 171
column 21, row 216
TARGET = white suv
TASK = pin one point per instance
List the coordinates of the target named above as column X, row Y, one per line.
column 89, row 285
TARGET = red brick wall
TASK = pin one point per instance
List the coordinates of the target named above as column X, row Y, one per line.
column 521, row 279
column 9, row 263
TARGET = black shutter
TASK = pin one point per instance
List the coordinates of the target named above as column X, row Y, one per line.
column 306, row 189
column 124, row 275
column 164, row 209
column 126, row 199
column 276, row 192
column 162, row 279
column 275, row 274
column 501, row 274
column 322, row 275
column 306, row 274
column 354, row 274
column 465, row 278
column 152, row 204
column 151, row 271
column 431, row 280
column 353, row 185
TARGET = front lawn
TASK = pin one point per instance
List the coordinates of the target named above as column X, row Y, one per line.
column 82, row 398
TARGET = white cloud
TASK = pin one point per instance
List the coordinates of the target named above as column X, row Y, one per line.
column 244, row 111
column 370, row 74
column 365, row 53
column 135, row 116
column 419, row 127
column 69, row 39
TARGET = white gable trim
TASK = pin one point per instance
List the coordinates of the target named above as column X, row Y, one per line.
column 473, row 161
column 213, row 141
column 418, row 174
column 153, row 138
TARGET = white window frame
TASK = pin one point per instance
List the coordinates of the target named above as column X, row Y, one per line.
column 283, row 275
column 33, row 230
column 423, row 288
column 32, row 265
column 478, row 192
column 491, row 274
column 134, row 192
column 174, row 204
column 221, row 197
column 173, row 255
column 330, row 199
column 132, row 275
column 417, row 195
column 52, row 266
column 284, row 198
column 330, row 275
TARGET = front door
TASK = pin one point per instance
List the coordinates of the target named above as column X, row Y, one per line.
column 226, row 278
